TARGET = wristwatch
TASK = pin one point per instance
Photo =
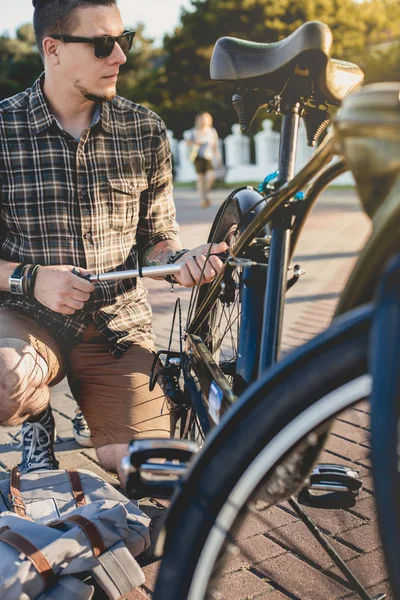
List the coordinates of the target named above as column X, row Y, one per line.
column 16, row 280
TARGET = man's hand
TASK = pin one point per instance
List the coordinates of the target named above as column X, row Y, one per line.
column 62, row 291
column 191, row 272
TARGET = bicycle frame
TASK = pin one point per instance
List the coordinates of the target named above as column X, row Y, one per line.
column 278, row 209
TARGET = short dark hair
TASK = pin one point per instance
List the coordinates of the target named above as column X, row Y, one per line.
column 59, row 16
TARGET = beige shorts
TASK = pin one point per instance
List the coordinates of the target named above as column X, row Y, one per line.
column 113, row 393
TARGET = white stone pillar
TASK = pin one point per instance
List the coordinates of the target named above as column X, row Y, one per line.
column 267, row 148
column 185, row 171
column 304, row 152
column 237, row 148
column 174, row 144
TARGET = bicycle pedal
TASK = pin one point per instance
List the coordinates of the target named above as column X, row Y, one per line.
column 334, row 478
column 153, row 467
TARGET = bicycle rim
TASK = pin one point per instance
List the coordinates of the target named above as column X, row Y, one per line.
column 240, row 502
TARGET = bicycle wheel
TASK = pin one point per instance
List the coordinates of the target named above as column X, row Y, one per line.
column 259, row 455
column 221, row 328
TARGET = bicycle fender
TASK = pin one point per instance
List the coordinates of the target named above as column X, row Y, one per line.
column 250, row 203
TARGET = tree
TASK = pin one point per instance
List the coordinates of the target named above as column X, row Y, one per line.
column 20, row 62
column 184, row 85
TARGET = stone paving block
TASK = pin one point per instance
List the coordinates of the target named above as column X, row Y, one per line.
column 347, row 448
column 252, row 551
column 380, row 588
column 6, row 439
column 351, row 432
column 11, row 431
column 365, row 462
column 62, row 400
column 365, row 538
column 275, row 595
column 9, row 458
column 330, row 457
column 63, row 425
column 299, row 580
column 299, row 541
column 150, row 507
column 67, row 445
column 368, row 484
column 334, row 521
column 137, row 594
column 357, row 417
column 364, row 406
column 76, row 460
column 264, row 521
column 366, row 509
column 369, row 568
column 150, row 571
column 242, row 585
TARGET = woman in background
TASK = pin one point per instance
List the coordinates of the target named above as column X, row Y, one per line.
column 205, row 155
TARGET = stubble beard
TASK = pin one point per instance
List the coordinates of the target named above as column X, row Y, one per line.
column 106, row 97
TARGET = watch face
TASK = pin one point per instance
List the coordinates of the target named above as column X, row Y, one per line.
column 16, row 287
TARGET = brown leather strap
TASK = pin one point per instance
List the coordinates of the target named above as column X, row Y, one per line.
column 16, row 499
column 91, row 532
column 32, row 553
column 76, row 487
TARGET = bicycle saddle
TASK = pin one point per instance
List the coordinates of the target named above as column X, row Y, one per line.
column 306, row 52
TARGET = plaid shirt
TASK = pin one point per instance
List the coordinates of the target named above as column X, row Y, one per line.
column 97, row 203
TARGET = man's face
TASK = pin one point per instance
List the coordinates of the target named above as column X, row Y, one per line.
column 92, row 77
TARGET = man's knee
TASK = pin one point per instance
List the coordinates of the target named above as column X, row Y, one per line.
column 20, row 375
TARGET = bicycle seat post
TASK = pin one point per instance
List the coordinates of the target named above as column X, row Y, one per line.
column 280, row 243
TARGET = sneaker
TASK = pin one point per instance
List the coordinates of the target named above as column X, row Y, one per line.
column 81, row 431
column 38, row 443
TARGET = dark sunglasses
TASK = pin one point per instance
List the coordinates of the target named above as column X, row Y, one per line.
column 104, row 45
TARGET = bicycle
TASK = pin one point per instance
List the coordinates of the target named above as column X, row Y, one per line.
column 236, row 474
column 300, row 86
column 234, row 324
column 302, row 394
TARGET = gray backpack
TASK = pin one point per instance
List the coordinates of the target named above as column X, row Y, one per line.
column 66, row 523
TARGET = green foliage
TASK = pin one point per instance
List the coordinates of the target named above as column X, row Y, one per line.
column 174, row 81
column 20, row 62
column 139, row 77
column 185, row 86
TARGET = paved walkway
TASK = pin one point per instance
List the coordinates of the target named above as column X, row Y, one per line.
column 286, row 562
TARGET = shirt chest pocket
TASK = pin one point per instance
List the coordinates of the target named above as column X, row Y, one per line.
column 124, row 202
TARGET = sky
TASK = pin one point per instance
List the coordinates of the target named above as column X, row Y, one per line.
column 158, row 16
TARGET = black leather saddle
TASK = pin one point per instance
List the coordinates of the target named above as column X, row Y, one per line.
column 306, row 52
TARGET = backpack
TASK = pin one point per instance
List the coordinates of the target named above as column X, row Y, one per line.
column 65, row 523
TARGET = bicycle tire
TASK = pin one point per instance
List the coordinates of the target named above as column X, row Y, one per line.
column 299, row 395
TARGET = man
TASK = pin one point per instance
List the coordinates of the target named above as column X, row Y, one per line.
column 85, row 183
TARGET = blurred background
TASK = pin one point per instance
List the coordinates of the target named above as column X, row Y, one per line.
column 168, row 68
